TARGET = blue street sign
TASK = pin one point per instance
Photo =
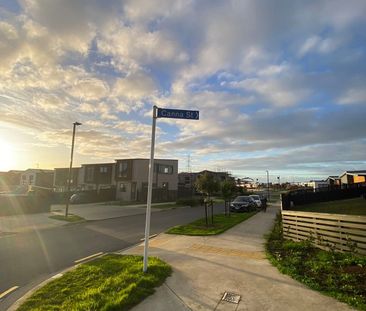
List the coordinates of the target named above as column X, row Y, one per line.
column 178, row 114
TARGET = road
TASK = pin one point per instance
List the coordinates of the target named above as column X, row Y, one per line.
column 27, row 259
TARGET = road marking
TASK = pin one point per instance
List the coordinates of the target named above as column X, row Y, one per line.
column 150, row 237
column 89, row 257
column 7, row 292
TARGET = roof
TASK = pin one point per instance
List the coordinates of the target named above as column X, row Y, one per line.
column 148, row 159
column 98, row 164
column 360, row 173
column 333, row 177
column 37, row 170
column 67, row 168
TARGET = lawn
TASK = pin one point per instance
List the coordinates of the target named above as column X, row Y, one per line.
column 356, row 206
column 69, row 218
column 112, row 282
column 340, row 275
column 221, row 224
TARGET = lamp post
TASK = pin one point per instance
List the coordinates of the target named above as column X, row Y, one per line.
column 75, row 124
column 267, row 184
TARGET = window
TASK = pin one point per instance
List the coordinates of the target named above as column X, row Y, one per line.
column 89, row 173
column 103, row 169
column 164, row 169
column 123, row 169
column 122, row 187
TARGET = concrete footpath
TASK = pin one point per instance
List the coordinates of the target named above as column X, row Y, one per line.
column 204, row 268
column 92, row 211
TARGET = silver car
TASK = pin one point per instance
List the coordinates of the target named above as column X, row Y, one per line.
column 257, row 200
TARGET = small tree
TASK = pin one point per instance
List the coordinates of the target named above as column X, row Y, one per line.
column 207, row 185
column 228, row 190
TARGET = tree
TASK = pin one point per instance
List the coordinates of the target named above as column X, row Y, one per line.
column 207, row 185
column 228, row 190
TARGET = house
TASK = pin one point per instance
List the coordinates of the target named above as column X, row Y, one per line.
column 61, row 178
column 37, row 177
column 131, row 177
column 333, row 181
column 353, row 178
column 9, row 180
column 317, row 184
column 188, row 180
column 97, row 176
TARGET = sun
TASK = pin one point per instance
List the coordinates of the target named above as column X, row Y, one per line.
column 7, row 155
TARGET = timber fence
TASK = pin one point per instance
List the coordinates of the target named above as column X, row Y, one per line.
column 326, row 231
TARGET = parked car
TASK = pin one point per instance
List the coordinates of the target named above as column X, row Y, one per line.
column 257, row 200
column 78, row 198
column 243, row 204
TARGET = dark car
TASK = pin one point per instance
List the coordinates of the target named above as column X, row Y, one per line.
column 243, row 204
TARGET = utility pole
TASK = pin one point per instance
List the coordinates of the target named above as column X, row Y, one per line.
column 267, row 184
column 70, row 169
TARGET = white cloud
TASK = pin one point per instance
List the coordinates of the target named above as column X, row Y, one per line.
column 135, row 86
column 354, row 96
column 89, row 89
column 319, row 45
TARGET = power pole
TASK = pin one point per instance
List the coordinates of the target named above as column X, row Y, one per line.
column 70, row 169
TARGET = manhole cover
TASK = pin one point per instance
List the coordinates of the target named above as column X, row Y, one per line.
column 231, row 297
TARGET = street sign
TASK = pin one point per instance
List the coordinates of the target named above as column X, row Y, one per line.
column 159, row 113
column 178, row 114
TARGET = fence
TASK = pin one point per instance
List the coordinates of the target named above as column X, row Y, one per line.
column 341, row 232
column 304, row 196
column 24, row 204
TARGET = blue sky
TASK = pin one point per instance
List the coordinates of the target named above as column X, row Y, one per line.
column 280, row 85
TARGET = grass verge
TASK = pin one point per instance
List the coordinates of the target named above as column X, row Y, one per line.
column 69, row 218
column 112, row 282
column 340, row 275
column 165, row 206
column 356, row 206
column 221, row 224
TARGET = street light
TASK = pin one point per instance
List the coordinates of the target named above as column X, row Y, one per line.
column 75, row 124
column 267, row 184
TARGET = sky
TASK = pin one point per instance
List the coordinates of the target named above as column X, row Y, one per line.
column 280, row 85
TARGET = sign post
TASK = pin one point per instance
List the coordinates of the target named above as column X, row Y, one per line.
column 160, row 113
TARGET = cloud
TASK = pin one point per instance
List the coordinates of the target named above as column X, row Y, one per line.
column 354, row 96
column 90, row 89
column 268, row 86
column 135, row 86
column 319, row 45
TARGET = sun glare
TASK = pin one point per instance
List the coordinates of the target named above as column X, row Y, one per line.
column 7, row 156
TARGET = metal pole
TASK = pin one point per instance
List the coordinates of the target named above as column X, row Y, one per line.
column 70, row 169
column 267, row 185
column 149, row 191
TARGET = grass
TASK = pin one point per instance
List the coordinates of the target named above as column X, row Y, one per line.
column 355, row 206
column 112, row 282
column 69, row 218
column 165, row 206
column 221, row 224
column 340, row 275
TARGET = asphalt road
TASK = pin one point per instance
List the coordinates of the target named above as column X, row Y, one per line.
column 27, row 259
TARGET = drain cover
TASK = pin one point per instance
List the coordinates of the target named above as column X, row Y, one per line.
column 231, row 297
